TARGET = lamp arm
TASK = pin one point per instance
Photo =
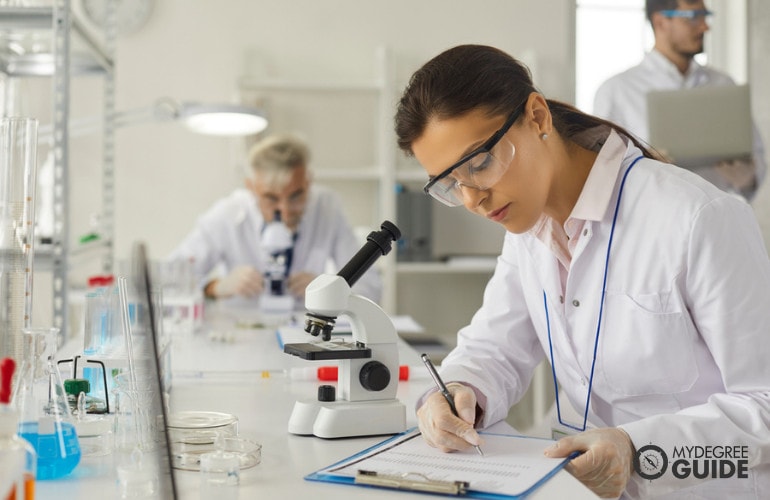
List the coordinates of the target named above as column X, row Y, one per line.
column 163, row 109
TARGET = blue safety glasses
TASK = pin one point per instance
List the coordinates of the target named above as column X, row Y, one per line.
column 694, row 16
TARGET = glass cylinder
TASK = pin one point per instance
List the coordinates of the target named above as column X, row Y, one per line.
column 18, row 145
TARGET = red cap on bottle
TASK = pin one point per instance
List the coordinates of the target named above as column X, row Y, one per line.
column 101, row 280
column 7, row 367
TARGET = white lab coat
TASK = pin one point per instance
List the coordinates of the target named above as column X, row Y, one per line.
column 622, row 99
column 229, row 233
column 683, row 355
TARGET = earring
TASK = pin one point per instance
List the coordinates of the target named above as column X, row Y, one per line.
column 544, row 136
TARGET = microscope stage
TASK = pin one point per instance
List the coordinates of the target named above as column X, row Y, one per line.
column 328, row 350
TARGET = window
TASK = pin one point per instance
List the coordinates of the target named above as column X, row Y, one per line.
column 611, row 36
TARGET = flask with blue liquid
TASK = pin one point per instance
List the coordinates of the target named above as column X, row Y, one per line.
column 41, row 402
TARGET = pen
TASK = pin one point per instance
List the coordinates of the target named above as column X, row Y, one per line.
column 444, row 391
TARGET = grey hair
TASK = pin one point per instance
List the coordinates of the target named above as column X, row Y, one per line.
column 274, row 158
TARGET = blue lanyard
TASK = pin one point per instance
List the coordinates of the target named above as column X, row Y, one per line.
column 598, row 323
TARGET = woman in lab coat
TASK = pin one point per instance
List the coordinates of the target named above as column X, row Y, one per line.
column 643, row 285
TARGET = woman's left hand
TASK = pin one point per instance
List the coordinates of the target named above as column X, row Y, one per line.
column 606, row 462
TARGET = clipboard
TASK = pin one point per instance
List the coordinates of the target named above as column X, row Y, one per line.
column 513, row 466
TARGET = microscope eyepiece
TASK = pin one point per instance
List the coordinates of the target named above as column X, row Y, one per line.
column 378, row 243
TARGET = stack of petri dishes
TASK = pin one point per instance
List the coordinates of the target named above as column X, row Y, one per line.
column 195, row 433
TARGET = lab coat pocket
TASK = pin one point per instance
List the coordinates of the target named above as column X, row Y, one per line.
column 646, row 346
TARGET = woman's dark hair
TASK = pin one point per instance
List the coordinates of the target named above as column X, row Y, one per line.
column 469, row 77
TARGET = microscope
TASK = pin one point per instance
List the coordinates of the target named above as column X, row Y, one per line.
column 364, row 402
column 276, row 240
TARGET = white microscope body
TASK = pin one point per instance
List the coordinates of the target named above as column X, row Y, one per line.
column 365, row 403
column 276, row 239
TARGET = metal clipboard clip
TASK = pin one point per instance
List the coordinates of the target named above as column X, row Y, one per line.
column 411, row 481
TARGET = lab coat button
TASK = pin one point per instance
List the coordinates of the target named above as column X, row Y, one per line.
column 585, row 232
column 561, row 299
column 583, row 382
column 576, row 303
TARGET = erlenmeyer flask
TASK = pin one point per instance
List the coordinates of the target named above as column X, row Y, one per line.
column 40, row 400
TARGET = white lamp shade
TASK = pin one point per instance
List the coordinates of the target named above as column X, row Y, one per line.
column 222, row 119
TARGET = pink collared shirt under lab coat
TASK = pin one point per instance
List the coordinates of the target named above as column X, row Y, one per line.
column 683, row 350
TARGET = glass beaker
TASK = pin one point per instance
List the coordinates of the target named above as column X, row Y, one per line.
column 136, row 417
column 44, row 416
column 18, row 146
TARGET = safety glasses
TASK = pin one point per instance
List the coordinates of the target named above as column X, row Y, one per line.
column 480, row 169
column 693, row 16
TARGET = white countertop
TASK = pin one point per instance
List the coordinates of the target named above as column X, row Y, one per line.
column 263, row 406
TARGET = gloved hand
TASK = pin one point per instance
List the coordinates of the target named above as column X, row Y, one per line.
column 242, row 280
column 607, row 461
column 739, row 174
column 297, row 283
column 441, row 429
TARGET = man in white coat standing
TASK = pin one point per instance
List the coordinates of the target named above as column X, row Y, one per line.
column 679, row 27
column 229, row 236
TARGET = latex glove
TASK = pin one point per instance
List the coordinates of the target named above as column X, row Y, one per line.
column 242, row 280
column 441, row 429
column 606, row 463
column 297, row 283
column 740, row 174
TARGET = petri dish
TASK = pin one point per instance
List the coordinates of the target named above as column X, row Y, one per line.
column 201, row 427
column 193, row 433
column 187, row 456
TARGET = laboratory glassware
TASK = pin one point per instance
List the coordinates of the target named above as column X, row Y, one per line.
column 74, row 385
column 17, row 456
column 18, row 145
column 219, row 473
column 136, row 422
column 44, row 415
column 94, row 431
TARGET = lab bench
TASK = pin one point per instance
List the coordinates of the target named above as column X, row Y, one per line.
column 243, row 374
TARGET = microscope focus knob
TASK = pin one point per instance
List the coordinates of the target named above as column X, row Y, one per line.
column 327, row 393
column 374, row 376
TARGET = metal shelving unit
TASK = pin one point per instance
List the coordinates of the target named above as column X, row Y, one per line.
column 49, row 42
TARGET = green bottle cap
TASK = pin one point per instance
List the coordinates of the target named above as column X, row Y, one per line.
column 77, row 385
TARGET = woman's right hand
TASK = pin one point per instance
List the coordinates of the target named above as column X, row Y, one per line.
column 442, row 429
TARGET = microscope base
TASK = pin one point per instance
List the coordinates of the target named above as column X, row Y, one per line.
column 338, row 419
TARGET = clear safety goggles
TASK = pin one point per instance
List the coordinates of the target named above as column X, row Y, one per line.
column 294, row 201
column 480, row 169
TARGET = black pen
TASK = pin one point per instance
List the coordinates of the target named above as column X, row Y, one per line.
column 444, row 391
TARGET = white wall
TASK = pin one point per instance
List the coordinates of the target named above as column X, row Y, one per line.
column 759, row 75
column 197, row 50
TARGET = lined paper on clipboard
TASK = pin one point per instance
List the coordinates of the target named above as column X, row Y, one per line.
column 512, row 466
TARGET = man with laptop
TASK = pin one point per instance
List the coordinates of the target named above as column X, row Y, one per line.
column 655, row 100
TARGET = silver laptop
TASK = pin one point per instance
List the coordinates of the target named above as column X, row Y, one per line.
column 701, row 126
